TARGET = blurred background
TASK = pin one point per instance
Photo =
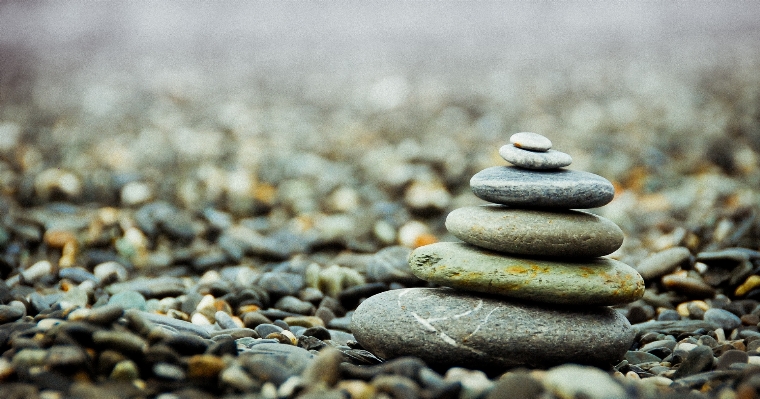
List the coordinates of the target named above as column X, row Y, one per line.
column 293, row 108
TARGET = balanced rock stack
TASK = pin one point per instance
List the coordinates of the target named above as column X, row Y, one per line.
column 530, row 285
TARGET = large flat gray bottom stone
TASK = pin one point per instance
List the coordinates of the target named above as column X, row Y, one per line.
column 446, row 328
column 596, row 281
column 560, row 188
column 569, row 234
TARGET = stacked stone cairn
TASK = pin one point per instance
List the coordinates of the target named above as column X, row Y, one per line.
column 529, row 286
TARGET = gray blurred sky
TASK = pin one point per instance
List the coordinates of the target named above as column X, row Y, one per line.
column 352, row 35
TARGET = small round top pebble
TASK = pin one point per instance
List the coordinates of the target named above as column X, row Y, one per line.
column 530, row 141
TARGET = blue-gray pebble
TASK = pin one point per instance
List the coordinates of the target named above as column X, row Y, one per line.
column 725, row 319
column 558, row 189
column 550, row 159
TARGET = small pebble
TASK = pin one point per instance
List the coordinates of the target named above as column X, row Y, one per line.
column 530, row 141
column 540, row 161
column 725, row 319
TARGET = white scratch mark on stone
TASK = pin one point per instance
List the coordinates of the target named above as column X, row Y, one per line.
column 484, row 322
column 480, row 305
column 424, row 322
column 448, row 339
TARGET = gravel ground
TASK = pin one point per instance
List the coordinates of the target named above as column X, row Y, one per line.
column 177, row 177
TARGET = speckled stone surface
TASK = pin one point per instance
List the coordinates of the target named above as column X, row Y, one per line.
column 564, row 189
column 569, row 234
column 530, row 141
column 597, row 281
column 446, row 328
column 550, row 159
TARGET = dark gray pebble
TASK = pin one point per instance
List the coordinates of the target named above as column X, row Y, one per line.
column 341, row 323
column 265, row 329
column 673, row 327
column 668, row 315
column 236, row 333
column 179, row 325
column 281, row 284
column 730, row 357
column 292, row 304
column 150, row 287
column 66, row 357
column 663, row 343
column 223, row 347
column 10, row 314
column 292, row 358
column 565, row 189
column 317, row 332
column 253, row 319
column 389, row 265
column 350, row 297
column 105, row 315
column 638, row 357
column 122, row 341
column 698, row 380
column 187, row 344
column 275, row 314
column 723, row 318
column 697, row 360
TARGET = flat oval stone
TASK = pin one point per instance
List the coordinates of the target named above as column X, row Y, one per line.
column 550, row 159
column 447, row 328
column 530, row 141
column 598, row 281
column 572, row 234
column 565, row 189
column 663, row 262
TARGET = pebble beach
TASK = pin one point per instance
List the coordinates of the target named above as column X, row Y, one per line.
column 196, row 198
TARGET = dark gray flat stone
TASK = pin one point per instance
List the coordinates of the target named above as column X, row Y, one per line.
column 569, row 234
column 562, row 188
column 450, row 328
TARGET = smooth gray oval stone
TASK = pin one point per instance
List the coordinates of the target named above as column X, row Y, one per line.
column 550, row 159
column 446, row 328
column 530, row 141
column 663, row 262
column 597, row 281
column 565, row 189
column 570, row 234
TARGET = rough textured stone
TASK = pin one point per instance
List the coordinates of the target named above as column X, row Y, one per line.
column 663, row 262
column 534, row 232
column 550, row 159
column 530, row 141
column 446, row 328
column 598, row 281
column 565, row 189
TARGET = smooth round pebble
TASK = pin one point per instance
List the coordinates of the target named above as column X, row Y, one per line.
column 550, row 159
column 446, row 327
column 574, row 381
column 128, row 300
column 725, row 319
column 663, row 262
column 561, row 189
column 569, row 234
column 597, row 281
column 530, row 141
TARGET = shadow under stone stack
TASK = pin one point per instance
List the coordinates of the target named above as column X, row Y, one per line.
column 530, row 284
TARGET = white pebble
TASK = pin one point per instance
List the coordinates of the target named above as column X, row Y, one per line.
column 530, row 141
column 135, row 193
column 686, row 346
column 35, row 272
